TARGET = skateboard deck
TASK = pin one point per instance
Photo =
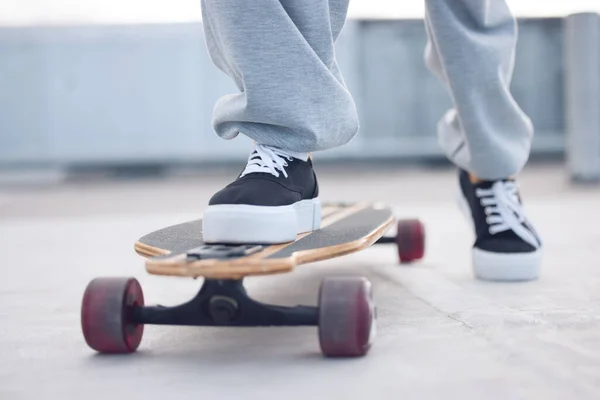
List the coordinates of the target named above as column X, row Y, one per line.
column 178, row 250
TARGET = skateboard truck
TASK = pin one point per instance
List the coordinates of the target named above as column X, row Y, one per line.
column 225, row 303
column 114, row 314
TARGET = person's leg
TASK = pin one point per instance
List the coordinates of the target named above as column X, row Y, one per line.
column 471, row 49
column 292, row 101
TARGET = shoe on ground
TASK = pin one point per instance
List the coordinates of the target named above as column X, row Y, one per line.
column 274, row 199
column 507, row 246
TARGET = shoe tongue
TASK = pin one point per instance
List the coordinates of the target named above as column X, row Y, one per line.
column 483, row 184
column 489, row 184
column 300, row 156
column 295, row 154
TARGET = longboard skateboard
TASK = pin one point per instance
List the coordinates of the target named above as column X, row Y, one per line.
column 113, row 312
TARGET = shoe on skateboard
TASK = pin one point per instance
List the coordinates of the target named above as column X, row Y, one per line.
column 274, row 198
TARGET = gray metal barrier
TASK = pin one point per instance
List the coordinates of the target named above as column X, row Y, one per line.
column 582, row 66
column 108, row 95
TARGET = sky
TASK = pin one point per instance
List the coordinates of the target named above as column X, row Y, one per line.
column 75, row 12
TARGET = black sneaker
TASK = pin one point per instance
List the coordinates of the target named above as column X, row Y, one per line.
column 273, row 200
column 507, row 247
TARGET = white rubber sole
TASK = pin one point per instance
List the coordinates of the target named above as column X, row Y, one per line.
column 501, row 267
column 240, row 223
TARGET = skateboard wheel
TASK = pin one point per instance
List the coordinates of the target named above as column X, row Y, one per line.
column 347, row 317
column 410, row 238
column 106, row 315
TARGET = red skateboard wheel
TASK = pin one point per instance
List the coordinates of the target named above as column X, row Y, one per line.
column 347, row 317
column 106, row 315
column 410, row 238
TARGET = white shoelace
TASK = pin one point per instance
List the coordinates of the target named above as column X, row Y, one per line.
column 504, row 211
column 267, row 159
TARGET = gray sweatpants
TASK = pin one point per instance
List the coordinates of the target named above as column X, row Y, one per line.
column 280, row 54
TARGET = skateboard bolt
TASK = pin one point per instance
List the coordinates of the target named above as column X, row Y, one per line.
column 223, row 309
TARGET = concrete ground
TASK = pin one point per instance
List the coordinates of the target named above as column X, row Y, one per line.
column 442, row 334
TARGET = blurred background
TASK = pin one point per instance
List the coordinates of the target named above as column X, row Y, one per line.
column 127, row 85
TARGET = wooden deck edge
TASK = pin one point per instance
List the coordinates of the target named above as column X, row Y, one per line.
column 239, row 268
